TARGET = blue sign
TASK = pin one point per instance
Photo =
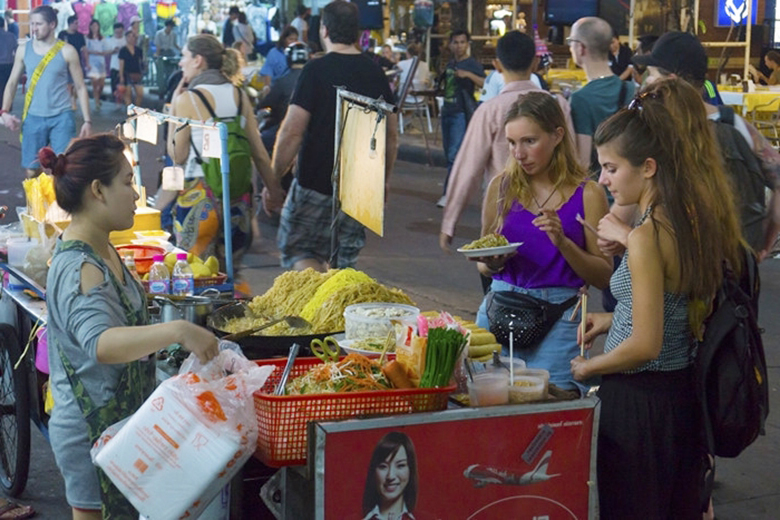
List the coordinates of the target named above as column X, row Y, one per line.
column 734, row 12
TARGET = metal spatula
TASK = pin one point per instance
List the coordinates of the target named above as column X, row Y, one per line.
column 295, row 322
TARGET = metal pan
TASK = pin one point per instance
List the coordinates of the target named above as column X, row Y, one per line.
column 259, row 347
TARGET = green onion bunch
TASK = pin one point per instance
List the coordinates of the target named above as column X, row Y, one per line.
column 443, row 351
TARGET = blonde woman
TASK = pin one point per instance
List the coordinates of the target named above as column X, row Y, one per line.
column 536, row 201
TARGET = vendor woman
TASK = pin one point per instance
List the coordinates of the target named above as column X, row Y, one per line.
column 536, row 201
column 99, row 340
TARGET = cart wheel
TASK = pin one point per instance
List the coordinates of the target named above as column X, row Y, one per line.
column 14, row 414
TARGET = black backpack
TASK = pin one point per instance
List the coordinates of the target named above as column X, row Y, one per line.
column 731, row 377
column 744, row 169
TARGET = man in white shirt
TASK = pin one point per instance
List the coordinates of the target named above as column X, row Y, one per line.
column 114, row 44
column 300, row 22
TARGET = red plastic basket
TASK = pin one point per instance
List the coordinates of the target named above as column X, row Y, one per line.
column 282, row 420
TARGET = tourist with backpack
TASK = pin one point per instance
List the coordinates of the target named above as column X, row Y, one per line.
column 751, row 161
column 208, row 92
column 649, row 443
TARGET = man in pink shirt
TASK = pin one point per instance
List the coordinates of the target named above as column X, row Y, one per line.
column 484, row 151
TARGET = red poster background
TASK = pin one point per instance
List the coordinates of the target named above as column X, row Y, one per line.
column 492, row 447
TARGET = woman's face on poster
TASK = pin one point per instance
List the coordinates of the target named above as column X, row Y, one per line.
column 392, row 476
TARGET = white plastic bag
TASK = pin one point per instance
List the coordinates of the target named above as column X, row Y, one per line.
column 187, row 440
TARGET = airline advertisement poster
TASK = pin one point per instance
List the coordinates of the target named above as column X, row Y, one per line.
column 498, row 465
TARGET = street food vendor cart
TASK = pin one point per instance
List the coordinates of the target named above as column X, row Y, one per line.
column 518, row 461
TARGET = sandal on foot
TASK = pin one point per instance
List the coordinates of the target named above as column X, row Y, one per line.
column 13, row 511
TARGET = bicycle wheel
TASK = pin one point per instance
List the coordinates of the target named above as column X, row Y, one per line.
column 14, row 414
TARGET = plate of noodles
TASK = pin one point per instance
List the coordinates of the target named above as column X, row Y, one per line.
column 489, row 245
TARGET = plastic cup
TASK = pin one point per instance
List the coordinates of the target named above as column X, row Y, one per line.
column 489, row 388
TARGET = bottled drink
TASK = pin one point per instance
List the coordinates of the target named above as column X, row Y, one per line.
column 182, row 280
column 129, row 259
column 159, row 278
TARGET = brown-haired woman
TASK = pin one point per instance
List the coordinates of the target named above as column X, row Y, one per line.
column 214, row 72
column 536, row 201
column 99, row 339
column 661, row 154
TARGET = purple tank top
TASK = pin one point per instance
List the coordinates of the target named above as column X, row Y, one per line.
column 538, row 263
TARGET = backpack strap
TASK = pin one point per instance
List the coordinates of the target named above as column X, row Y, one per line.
column 622, row 96
column 726, row 114
column 197, row 92
column 205, row 102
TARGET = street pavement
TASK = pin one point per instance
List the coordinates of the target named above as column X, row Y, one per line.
column 408, row 256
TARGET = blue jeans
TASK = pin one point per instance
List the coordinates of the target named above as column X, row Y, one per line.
column 558, row 348
column 37, row 132
column 453, row 128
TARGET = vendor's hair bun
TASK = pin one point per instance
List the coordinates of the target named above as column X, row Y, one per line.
column 52, row 161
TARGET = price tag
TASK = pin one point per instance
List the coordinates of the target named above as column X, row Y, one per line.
column 173, row 178
column 128, row 131
column 212, row 145
column 147, row 128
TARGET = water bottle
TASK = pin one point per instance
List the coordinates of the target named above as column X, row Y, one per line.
column 129, row 259
column 182, row 281
column 159, row 278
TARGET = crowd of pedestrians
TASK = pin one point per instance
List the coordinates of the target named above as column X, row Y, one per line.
column 643, row 126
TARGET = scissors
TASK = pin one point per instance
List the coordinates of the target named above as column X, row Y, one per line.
column 326, row 349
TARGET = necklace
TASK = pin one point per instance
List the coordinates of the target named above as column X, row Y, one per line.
column 541, row 206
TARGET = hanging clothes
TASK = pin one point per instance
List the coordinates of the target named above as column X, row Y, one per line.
column 148, row 25
column 84, row 12
column 64, row 11
column 125, row 13
column 105, row 14
column 257, row 16
column 165, row 9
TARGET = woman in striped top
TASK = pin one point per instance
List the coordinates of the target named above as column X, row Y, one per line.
column 661, row 154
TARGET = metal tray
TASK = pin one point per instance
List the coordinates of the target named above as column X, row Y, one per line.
column 260, row 347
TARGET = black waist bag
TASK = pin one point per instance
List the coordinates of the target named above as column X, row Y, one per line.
column 529, row 319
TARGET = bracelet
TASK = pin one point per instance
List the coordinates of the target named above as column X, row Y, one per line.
column 85, row 122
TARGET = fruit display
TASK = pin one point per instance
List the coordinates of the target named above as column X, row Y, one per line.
column 200, row 268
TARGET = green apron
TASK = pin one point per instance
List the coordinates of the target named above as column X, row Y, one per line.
column 135, row 384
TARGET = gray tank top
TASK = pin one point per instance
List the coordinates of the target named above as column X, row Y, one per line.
column 50, row 97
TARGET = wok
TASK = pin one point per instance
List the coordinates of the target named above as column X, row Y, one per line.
column 259, row 347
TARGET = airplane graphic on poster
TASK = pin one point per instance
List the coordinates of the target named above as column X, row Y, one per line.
column 484, row 475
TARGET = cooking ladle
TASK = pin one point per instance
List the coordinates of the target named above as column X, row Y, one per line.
column 295, row 322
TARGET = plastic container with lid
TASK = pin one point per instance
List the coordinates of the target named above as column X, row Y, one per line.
column 526, row 389
column 373, row 320
column 535, row 372
column 489, row 388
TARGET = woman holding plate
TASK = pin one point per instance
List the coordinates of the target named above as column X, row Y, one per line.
column 538, row 200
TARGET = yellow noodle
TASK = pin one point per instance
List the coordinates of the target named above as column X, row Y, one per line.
column 293, row 290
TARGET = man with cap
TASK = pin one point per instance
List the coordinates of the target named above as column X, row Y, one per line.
column 484, row 151
column 604, row 94
column 681, row 55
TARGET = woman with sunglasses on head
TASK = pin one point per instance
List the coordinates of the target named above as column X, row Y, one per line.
column 536, row 201
column 660, row 154
column 99, row 340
